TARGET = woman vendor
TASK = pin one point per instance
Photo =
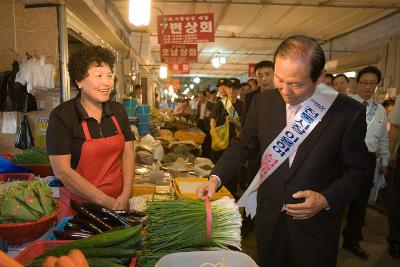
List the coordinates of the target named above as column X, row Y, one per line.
column 89, row 140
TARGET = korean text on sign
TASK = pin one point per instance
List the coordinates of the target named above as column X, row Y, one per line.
column 184, row 29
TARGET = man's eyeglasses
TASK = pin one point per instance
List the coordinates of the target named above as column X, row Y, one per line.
column 365, row 83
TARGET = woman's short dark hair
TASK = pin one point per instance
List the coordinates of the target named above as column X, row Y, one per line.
column 80, row 61
column 341, row 75
column 369, row 69
column 307, row 50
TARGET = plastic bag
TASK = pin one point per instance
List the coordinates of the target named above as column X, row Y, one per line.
column 220, row 137
column 14, row 96
column 24, row 138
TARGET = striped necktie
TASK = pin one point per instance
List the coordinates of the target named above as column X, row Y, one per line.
column 291, row 112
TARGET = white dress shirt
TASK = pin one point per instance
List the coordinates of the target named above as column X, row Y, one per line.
column 376, row 139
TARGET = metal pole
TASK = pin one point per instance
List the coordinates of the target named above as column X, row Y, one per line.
column 63, row 50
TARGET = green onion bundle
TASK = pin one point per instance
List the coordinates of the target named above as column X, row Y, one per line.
column 178, row 224
column 32, row 156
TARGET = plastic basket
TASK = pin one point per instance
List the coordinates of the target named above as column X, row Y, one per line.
column 40, row 247
column 9, row 177
column 6, row 156
column 42, row 170
column 195, row 182
column 214, row 258
column 19, row 233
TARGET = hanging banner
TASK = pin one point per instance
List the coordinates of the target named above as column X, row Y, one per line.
column 185, row 29
column 252, row 72
column 178, row 53
column 178, row 69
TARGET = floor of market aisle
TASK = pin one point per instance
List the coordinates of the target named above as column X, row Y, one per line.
column 375, row 232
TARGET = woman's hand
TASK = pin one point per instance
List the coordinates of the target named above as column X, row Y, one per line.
column 121, row 202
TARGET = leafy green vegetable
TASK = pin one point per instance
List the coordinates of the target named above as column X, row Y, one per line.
column 25, row 201
column 32, row 156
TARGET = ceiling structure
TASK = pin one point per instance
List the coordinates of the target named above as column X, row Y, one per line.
column 249, row 31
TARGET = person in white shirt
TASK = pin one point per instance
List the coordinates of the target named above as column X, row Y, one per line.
column 377, row 143
column 394, row 206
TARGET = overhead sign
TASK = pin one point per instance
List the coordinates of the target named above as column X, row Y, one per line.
column 178, row 53
column 185, row 29
column 251, row 72
column 178, row 69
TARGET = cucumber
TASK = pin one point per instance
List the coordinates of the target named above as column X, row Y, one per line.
column 36, row 263
column 104, row 262
column 101, row 240
column 108, row 253
column 133, row 243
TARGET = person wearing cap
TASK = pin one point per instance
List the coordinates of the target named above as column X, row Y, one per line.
column 222, row 86
column 229, row 108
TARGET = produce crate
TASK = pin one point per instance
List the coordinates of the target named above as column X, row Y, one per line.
column 185, row 188
column 42, row 170
column 143, row 189
column 38, row 248
column 183, row 135
column 9, row 177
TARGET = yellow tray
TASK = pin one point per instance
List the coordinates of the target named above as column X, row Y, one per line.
column 182, row 188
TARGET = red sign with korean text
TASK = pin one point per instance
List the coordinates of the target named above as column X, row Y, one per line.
column 252, row 72
column 178, row 53
column 178, row 69
column 185, row 29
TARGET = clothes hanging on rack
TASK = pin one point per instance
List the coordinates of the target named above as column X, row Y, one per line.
column 35, row 73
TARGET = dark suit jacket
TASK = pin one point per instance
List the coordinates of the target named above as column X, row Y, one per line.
column 247, row 102
column 331, row 160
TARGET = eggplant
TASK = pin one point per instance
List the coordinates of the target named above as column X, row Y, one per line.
column 82, row 221
column 135, row 213
column 90, row 215
column 74, row 227
column 70, row 235
column 103, row 211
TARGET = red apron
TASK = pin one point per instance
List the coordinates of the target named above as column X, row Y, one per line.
column 101, row 164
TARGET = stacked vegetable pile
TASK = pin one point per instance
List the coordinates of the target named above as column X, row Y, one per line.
column 32, row 156
column 179, row 225
column 114, row 248
column 25, row 201
column 92, row 219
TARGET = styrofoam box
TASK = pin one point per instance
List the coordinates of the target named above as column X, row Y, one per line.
column 224, row 258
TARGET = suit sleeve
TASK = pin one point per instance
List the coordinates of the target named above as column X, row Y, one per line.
column 354, row 158
column 245, row 109
column 239, row 149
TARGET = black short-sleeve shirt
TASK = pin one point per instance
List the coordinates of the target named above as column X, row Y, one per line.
column 219, row 114
column 65, row 135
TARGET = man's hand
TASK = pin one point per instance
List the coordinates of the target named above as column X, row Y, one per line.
column 208, row 188
column 384, row 170
column 392, row 160
column 314, row 202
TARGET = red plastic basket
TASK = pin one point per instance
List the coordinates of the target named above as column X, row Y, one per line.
column 42, row 170
column 40, row 247
column 19, row 233
column 6, row 156
column 9, row 177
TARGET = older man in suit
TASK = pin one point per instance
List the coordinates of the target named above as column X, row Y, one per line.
column 300, row 197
